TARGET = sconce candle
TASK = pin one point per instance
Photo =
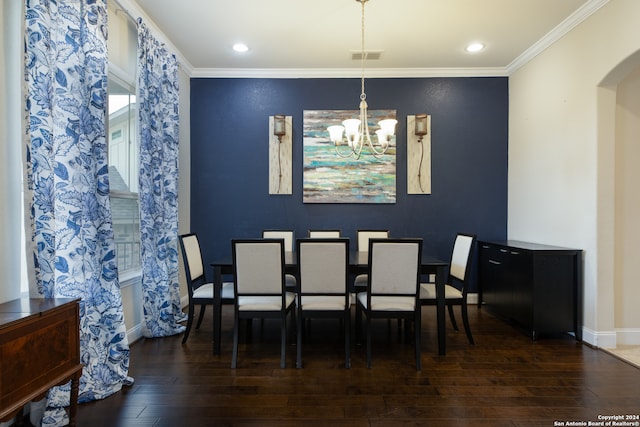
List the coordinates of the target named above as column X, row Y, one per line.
column 421, row 124
column 279, row 125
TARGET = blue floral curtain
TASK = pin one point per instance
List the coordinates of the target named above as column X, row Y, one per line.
column 158, row 185
column 68, row 189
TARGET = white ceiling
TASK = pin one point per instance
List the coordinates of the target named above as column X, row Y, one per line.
column 416, row 37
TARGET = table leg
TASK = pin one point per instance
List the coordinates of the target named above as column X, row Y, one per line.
column 217, row 307
column 73, row 399
column 441, row 274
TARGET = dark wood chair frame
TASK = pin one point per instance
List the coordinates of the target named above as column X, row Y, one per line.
column 462, row 284
column 194, row 283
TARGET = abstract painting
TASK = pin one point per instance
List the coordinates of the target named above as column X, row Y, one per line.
column 329, row 178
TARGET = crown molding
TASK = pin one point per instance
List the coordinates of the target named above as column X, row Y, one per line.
column 577, row 17
column 339, row 73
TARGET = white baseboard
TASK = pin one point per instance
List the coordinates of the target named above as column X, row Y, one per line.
column 135, row 333
column 606, row 339
column 472, row 299
column 628, row 336
column 611, row 339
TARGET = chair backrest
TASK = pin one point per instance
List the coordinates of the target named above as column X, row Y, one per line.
column 461, row 256
column 258, row 266
column 394, row 266
column 364, row 236
column 324, row 234
column 192, row 257
column 287, row 235
column 323, row 265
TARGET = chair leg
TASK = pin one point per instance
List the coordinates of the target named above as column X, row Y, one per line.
column 452, row 317
column 234, row 355
column 465, row 322
column 283, row 340
column 347, row 339
column 189, row 322
column 367, row 327
column 417, row 330
column 358, row 325
column 299, row 342
column 202, row 308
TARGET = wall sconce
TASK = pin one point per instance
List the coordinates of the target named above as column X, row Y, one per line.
column 280, row 154
column 421, row 126
column 419, row 154
column 279, row 127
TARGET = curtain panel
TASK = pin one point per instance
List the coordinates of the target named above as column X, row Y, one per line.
column 158, row 186
column 67, row 187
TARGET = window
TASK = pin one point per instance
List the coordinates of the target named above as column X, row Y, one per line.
column 123, row 174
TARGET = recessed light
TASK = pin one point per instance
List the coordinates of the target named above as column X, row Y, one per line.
column 240, row 47
column 474, row 47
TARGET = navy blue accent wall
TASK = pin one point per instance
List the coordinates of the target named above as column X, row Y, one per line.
column 230, row 161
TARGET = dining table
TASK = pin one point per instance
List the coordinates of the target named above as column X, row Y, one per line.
column 358, row 264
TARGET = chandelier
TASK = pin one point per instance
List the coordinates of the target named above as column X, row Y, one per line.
column 356, row 131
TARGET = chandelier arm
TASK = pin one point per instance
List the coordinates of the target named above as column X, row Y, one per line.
column 378, row 152
column 364, row 130
column 350, row 153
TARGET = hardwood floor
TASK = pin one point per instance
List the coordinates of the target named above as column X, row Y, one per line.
column 504, row 380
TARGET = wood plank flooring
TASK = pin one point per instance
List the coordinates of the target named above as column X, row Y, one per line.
column 504, row 380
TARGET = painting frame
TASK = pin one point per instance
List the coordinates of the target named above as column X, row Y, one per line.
column 330, row 178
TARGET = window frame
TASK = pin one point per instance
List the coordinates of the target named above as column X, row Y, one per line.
column 128, row 83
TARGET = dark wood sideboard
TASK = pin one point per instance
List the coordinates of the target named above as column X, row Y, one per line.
column 39, row 349
column 538, row 287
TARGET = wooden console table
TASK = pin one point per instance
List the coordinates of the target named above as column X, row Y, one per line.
column 39, row 349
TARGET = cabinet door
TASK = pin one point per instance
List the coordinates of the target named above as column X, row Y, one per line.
column 495, row 288
column 555, row 287
column 521, row 280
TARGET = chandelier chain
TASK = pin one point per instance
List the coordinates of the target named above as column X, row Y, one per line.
column 357, row 130
column 363, row 95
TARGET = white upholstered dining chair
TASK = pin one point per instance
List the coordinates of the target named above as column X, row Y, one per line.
column 289, row 237
column 455, row 289
column 323, row 286
column 362, row 238
column 199, row 289
column 393, row 286
column 260, row 289
column 324, row 234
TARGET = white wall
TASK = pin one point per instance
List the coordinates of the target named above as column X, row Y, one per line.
column 184, row 171
column 10, row 149
column 627, row 207
column 560, row 159
column 122, row 37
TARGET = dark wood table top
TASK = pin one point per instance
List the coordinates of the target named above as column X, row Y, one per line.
column 356, row 259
